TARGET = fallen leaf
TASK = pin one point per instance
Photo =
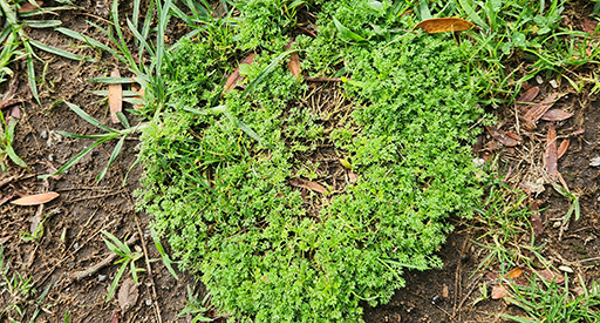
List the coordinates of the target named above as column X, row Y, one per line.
column 498, row 292
column 115, row 317
column 294, row 62
column 115, row 97
column 15, row 112
column 550, row 276
column 9, row 103
column 445, row 291
column 308, row 185
column 556, row 115
column 514, row 136
column 440, row 25
column 128, row 294
column 536, row 219
column 515, row 273
column 235, row 77
column 501, row 136
column 527, row 97
column 589, row 26
column 562, row 149
column 551, row 152
column 537, row 111
column 352, row 176
column 138, row 97
column 30, row 7
column 36, row 199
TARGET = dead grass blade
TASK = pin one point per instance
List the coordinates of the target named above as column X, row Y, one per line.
column 316, row 187
column 562, row 149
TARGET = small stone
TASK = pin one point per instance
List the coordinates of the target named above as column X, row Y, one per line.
column 148, row 302
column 479, row 162
column 102, row 278
column 595, row 162
column 556, row 224
column 566, row 269
column 44, row 134
column 539, row 79
column 50, row 158
column 76, row 246
column 436, row 300
column 554, row 84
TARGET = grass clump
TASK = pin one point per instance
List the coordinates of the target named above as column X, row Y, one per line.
column 219, row 170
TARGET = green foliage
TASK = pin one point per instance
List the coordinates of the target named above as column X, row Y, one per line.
column 7, row 136
column 223, row 200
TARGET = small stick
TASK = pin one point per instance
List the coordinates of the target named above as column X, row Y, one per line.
column 6, row 181
column 79, row 275
column 149, row 268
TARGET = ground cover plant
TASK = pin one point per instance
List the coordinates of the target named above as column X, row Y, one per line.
column 222, row 174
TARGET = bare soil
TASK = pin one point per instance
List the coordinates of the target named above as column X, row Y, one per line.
column 86, row 207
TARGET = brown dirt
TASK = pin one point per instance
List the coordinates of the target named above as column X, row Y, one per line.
column 86, row 207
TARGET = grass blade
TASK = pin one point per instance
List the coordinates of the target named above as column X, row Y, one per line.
column 90, row 41
column 89, row 118
column 78, row 157
column 115, row 282
column 111, row 80
column 14, row 157
column 76, row 136
column 31, row 72
column 42, row 23
column 346, row 32
column 60, row 52
column 112, row 158
column 266, row 72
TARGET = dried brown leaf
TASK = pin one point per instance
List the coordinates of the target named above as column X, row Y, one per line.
column 501, row 136
column 551, row 152
column 536, row 219
column 115, row 97
column 115, row 317
column 235, row 77
column 308, row 185
column 9, row 103
column 556, row 115
column 294, row 62
column 128, row 294
column 441, row 25
column 527, row 97
column 36, row 199
column 139, row 97
column 352, row 176
column 515, row 273
column 15, row 112
column 29, row 7
column 562, row 149
column 537, row 111
column 550, row 276
column 445, row 291
column 499, row 292
column 588, row 26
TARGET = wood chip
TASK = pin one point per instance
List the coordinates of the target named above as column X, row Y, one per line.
column 515, row 273
column 445, row 291
column 36, row 199
column 536, row 219
column 115, row 97
column 441, row 25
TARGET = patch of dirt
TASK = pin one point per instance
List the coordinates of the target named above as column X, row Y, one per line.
column 72, row 240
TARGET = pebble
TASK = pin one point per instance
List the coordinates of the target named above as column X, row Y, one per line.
column 554, row 84
column 148, row 302
column 479, row 162
column 102, row 278
column 44, row 134
column 539, row 79
column 76, row 246
column 556, row 225
column 51, row 158
column 595, row 162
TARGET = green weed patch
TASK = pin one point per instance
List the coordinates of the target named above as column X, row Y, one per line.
column 219, row 170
